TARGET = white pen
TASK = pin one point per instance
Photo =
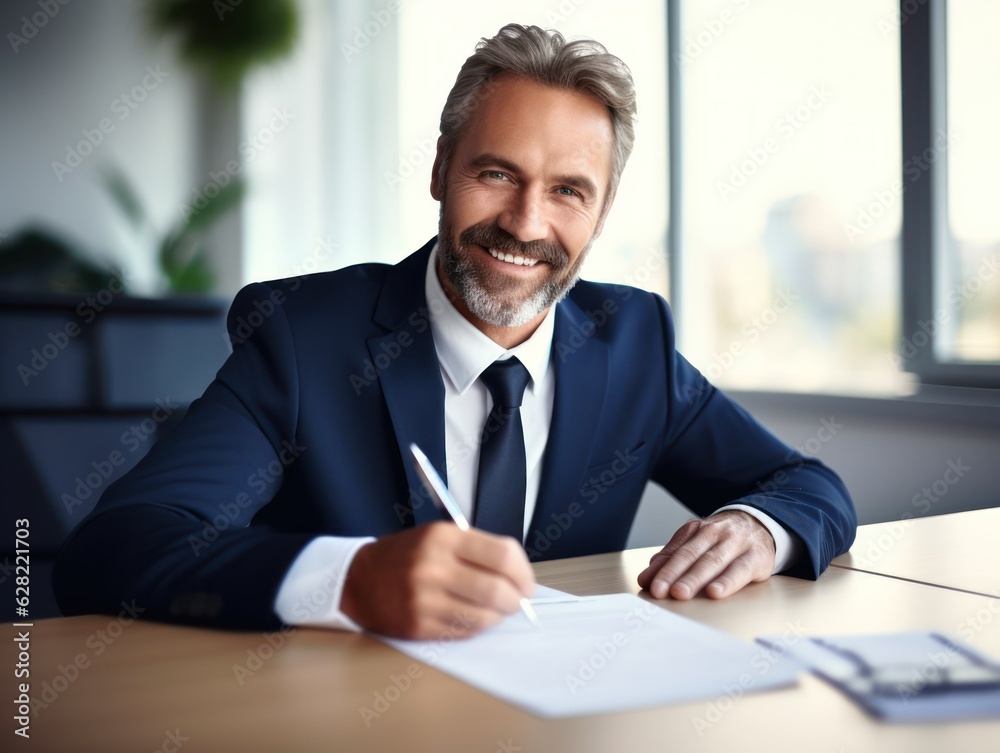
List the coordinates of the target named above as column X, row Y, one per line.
column 447, row 504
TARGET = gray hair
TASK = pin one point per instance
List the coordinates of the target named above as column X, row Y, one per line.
column 582, row 65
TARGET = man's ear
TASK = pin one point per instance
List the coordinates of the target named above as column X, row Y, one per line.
column 604, row 214
column 437, row 189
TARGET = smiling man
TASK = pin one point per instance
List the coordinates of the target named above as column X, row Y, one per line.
column 527, row 209
column 547, row 402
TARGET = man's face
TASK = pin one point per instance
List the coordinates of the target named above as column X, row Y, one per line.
column 523, row 198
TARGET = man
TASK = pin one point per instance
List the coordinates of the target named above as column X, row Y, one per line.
column 547, row 403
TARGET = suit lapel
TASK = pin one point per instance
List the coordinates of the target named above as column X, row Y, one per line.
column 411, row 378
column 580, row 360
column 414, row 390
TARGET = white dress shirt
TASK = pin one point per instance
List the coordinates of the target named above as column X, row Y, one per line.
column 311, row 591
column 465, row 353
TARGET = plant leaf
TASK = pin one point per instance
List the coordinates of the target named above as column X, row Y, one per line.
column 175, row 249
column 127, row 200
column 214, row 207
column 193, row 277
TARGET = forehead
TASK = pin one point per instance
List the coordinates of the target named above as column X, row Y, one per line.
column 540, row 127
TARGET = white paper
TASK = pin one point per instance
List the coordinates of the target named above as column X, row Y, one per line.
column 601, row 654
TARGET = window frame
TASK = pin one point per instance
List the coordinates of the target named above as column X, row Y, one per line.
column 923, row 72
column 923, row 82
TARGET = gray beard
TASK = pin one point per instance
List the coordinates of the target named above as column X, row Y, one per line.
column 496, row 310
column 494, row 306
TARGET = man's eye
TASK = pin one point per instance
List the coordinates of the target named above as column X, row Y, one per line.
column 495, row 175
column 565, row 191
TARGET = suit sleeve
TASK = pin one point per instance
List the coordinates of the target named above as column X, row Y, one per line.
column 173, row 534
column 714, row 453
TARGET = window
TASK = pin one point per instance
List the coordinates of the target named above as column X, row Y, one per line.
column 970, row 255
column 789, row 136
column 801, row 133
column 951, row 242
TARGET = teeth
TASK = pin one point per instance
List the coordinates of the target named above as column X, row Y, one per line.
column 520, row 261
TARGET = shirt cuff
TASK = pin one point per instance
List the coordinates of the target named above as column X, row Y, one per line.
column 312, row 588
column 787, row 546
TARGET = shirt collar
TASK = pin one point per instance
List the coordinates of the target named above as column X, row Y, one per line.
column 465, row 352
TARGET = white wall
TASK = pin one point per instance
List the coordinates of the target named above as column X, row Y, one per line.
column 65, row 79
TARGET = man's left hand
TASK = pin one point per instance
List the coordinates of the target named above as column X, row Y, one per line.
column 719, row 554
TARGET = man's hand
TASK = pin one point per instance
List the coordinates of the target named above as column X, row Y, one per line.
column 721, row 554
column 431, row 579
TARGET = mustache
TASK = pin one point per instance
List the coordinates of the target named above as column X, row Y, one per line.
column 492, row 236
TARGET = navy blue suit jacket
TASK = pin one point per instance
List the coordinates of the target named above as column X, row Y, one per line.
column 306, row 427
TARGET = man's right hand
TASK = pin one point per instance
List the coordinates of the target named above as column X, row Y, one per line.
column 422, row 582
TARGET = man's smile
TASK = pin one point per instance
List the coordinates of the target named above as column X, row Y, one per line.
column 512, row 259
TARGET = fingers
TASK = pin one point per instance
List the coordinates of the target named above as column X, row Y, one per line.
column 657, row 561
column 719, row 555
column 443, row 615
column 739, row 573
column 498, row 555
column 425, row 581
column 696, row 559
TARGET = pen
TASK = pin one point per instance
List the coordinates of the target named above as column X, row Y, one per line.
column 447, row 504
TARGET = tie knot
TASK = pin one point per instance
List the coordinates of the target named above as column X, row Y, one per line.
column 506, row 381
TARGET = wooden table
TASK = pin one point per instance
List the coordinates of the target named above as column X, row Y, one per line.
column 151, row 681
column 960, row 551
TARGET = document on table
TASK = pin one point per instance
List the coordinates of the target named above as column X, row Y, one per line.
column 904, row 677
column 600, row 654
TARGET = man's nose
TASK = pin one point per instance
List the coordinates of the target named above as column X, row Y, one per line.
column 525, row 218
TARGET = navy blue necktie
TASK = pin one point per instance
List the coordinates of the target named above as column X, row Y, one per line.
column 502, row 475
